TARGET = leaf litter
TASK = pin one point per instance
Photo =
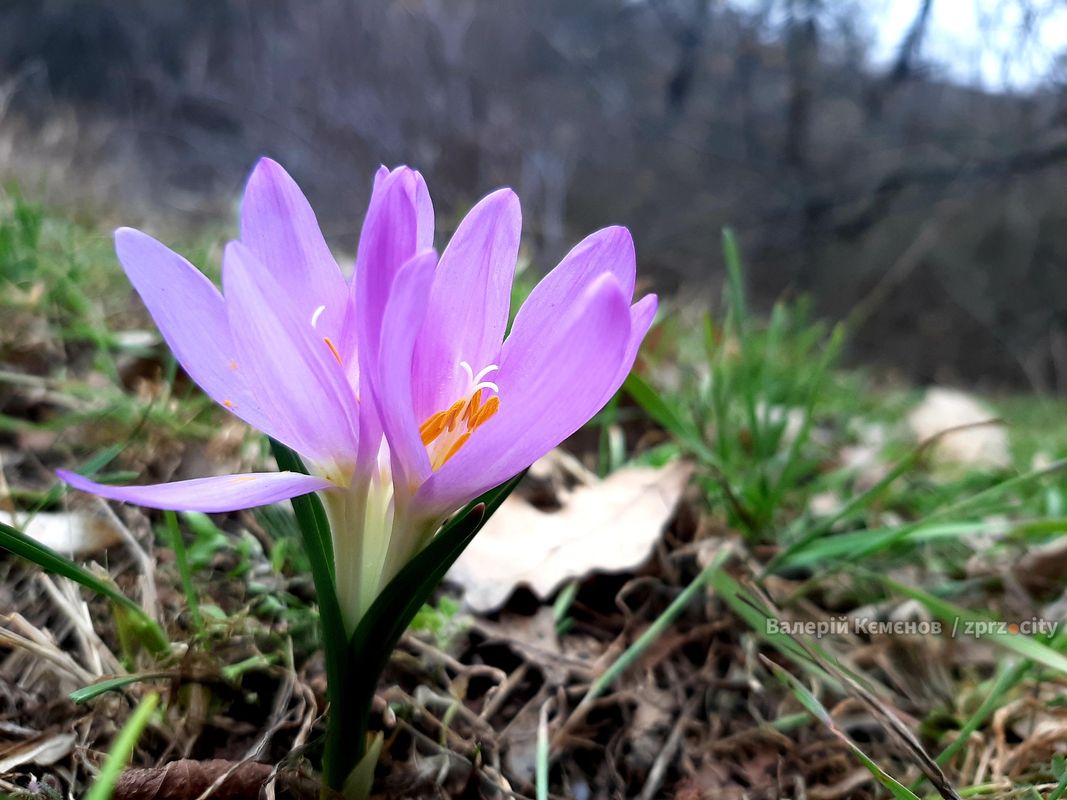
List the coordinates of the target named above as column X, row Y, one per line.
column 608, row 525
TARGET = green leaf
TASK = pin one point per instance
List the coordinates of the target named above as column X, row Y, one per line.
column 360, row 780
column 394, row 608
column 93, row 690
column 149, row 633
column 119, row 755
column 315, row 535
column 655, row 406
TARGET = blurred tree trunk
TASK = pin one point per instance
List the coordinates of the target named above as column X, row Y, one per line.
column 802, row 58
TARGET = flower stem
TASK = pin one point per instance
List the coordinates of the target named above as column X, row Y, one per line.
column 344, row 731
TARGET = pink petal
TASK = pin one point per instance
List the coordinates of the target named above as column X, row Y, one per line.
column 642, row 313
column 297, row 378
column 423, row 205
column 608, row 251
column 403, row 317
column 392, row 231
column 209, row 495
column 552, row 380
column 469, row 302
column 191, row 315
column 279, row 227
column 389, row 238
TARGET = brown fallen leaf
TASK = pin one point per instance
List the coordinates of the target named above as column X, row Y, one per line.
column 188, row 779
column 1042, row 568
column 602, row 526
column 977, row 447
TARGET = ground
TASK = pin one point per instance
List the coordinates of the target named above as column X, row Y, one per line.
column 812, row 499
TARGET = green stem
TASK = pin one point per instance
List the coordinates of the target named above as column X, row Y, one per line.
column 343, row 730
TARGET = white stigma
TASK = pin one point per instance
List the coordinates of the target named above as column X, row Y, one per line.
column 475, row 381
column 315, row 316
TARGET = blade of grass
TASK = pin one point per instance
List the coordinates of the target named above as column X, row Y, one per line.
column 757, row 618
column 607, row 449
column 875, row 544
column 857, row 503
column 792, row 460
column 1006, row 679
column 966, row 505
column 735, row 283
column 654, row 631
column 1059, row 771
column 15, row 541
column 840, row 545
column 817, row 710
column 121, row 751
column 186, row 575
column 233, row 672
column 87, row 693
column 1022, row 645
column 654, row 404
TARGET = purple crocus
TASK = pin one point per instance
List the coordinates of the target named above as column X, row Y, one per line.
column 397, row 387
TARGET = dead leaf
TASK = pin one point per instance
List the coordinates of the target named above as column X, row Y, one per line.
column 76, row 533
column 1042, row 568
column 228, row 780
column 41, row 751
column 604, row 526
column 980, row 446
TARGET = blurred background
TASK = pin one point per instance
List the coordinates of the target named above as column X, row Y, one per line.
column 903, row 162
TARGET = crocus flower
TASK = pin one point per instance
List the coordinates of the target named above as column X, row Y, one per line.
column 398, row 387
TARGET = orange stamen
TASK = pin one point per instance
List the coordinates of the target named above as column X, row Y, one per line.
column 470, row 413
column 453, row 414
column 433, row 427
column 445, row 432
column 228, row 403
column 462, row 440
column 232, row 365
column 492, row 405
column 333, row 350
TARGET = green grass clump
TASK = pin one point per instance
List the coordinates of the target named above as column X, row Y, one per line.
column 747, row 409
column 763, row 408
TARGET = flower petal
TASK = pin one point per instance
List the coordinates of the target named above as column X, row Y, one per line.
column 403, row 317
column 392, row 231
column 469, row 302
column 191, row 316
column 608, row 251
column 209, row 495
column 552, row 380
column 642, row 313
column 423, row 205
column 424, row 216
column 389, row 238
column 279, row 227
column 297, row 378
